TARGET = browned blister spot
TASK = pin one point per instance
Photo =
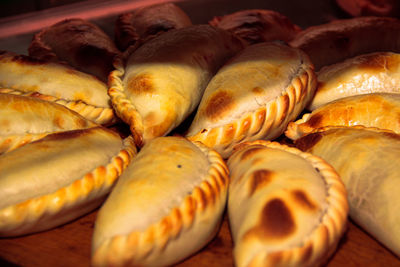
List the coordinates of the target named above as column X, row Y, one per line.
column 141, row 84
column 309, row 141
column 257, row 90
column 315, row 120
column 219, row 104
column 276, row 222
column 303, row 200
column 259, row 179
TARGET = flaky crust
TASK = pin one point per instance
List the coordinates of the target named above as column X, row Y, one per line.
column 164, row 79
column 144, row 23
column 253, row 245
column 338, row 40
column 79, row 43
column 260, row 106
column 378, row 110
column 186, row 227
column 56, row 82
column 364, row 74
column 258, row 25
column 26, row 119
column 68, row 202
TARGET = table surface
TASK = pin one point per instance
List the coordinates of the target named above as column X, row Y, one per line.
column 69, row 245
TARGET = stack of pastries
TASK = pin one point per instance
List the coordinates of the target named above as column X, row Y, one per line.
column 203, row 111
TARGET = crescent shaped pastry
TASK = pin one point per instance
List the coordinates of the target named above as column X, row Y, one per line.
column 164, row 79
column 378, row 110
column 146, row 22
column 364, row 74
column 58, row 178
column 258, row 25
column 167, row 205
column 368, row 162
column 56, row 82
column 25, row 119
column 79, row 43
column 285, row 207
column 338, row 40
column 253, row 97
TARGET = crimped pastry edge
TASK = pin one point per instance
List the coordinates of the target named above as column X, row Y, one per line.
column 322, row 242
column 67, row 203
column 123, row 106
column 267, row 122
column 135, row 247
column 99, row 115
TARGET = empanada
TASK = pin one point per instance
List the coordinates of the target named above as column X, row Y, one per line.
column 164, row 79
column 258, row 25
column 378, row 110
column 136, row 27
column 285, row 207
column 368, row 162
column 58, row 178
column 253, row 97
column 79, row 43
column 340, row 39
column 364, row 74
column 166, row 206
column 25, row 119
column 56, row 82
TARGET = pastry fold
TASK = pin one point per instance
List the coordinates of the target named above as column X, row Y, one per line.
column 380, row 110
column 80, row 43
column 368, row 73
column 164, row 79
column 25, row 119
column 254, row 96
column 56, row 82
column 285, row 207
column 58, row 178
column 167, row 205
column 367, row 160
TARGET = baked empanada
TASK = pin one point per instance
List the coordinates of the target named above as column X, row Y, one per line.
column 79, row 43
column 253, row 97
column 167, row 205
column 340, row 39
column 378, row 110
column 164, row 79
column 368, row 162
column 258, row 25
column 58, row 178
column 364, row 74
column 25, row 119
column 285, row 207
column 56, row 82
column 146, row 22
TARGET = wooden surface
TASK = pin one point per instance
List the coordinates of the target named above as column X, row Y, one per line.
column 70, row 244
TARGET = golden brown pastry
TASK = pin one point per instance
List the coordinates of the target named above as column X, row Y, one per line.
column 164, row 79
column 367, row 161
column 364, row 74
column 167, row 205
column 285, row 207
column 378, row 110
column 25, row 119
column 258, row 25
column 146, row 22
column 58, row 83
column 58, row 178
column 338, row 40
column 254, row 96
column 79, row 43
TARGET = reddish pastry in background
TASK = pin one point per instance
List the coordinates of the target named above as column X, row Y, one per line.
column 146, row 22
column 357, row 8
column 81, row 44
column 258, row 25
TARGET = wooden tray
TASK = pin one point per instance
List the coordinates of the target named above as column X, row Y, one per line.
column 69, row 245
